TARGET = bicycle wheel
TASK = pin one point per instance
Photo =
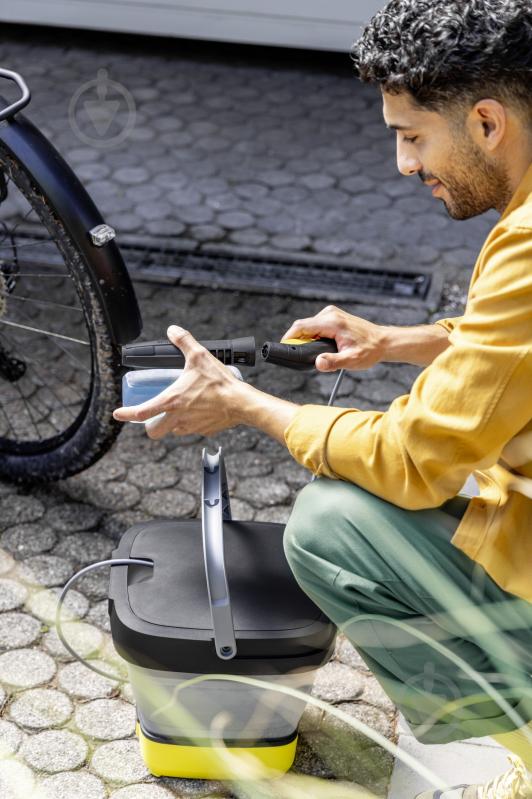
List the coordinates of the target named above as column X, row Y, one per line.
column 59, row 369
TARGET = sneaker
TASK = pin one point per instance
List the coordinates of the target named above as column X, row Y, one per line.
column 516, row 783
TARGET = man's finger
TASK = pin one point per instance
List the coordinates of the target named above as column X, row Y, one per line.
column 144, row 411
column 157, row 428
column 303, row 328
column 184, row 340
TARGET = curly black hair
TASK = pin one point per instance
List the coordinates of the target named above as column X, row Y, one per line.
column 445, row 53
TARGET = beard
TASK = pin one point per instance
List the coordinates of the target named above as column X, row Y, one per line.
column 475, row 184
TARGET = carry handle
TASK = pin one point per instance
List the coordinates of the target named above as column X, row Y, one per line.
column 215, row 509
column 23, row 101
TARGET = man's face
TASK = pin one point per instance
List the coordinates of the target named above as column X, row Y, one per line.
column 446, row 157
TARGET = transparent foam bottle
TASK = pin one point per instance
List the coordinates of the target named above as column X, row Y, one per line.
column 141, row 385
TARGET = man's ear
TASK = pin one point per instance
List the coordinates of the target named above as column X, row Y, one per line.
column 487, row 123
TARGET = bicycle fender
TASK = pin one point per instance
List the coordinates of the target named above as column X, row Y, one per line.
column 73, row 205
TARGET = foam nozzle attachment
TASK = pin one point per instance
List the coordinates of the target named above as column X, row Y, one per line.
column 296, row 356
column 165, row 355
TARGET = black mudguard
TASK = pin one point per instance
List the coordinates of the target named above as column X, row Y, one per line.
column 78, row 213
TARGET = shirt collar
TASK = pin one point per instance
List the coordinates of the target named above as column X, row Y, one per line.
column 523, row 194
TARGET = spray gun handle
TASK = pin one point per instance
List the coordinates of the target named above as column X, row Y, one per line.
column 298, row 354
column 215, row 509
column 165, row 355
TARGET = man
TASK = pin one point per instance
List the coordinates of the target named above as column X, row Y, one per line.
column 433, row 588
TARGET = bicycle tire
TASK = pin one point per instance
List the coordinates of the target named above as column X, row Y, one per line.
column 94, row 430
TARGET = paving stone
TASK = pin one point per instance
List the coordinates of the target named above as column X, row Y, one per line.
column 376, row 696
column 249, row 237
column 79, row 682
column 149, row 476
column 16, row 780
column 336, row 682
column 84, row 547
column 28, row 539
column 95, row 584
column 207, row 232
column 200, row 789
column 12, row 594
column 235, row 220
column 6, row 562
column 317, row 180
column 116, row 524
column 106, row 719
column 142, row 791
column 140, row 449
column 332, row 246
column 41, row 708
column 2, row 697
column 108, row 495
column 45, row 570
column 131, row 175
column 346, row 653
column 286, row 242
column 18, row 630
column 26, row 668
column 261, row 493
column 223, row 202
column 119, row 761
column 84, row 639
column 169, row 503
column 99, row 615
column 72, row 517
column 43, row 604
column 373, row 717
column 54, row 750
column 69, row 785
column 277, row 514
column 247, row 464
column 10, row 739
column 18, row 509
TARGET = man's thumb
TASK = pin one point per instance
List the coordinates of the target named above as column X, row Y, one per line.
column 182, row 339
column 332, row 361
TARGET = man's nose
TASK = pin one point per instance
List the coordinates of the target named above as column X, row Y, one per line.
column 407, row 162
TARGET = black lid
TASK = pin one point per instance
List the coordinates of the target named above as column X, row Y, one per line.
column 161, row 618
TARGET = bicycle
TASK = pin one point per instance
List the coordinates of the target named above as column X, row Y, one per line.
column 67, row 304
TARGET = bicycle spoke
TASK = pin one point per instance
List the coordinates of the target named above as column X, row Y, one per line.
column 45, row 302
column 24, row 400
column 7, row 419
column 48, row 333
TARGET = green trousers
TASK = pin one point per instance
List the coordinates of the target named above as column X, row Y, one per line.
column 450, row 647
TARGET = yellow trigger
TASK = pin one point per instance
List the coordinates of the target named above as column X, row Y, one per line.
column 297, row 340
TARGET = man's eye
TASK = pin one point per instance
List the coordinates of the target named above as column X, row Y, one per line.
column 409, row 139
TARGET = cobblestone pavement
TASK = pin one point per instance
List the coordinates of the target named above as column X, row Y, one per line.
column 241, row 149
column 66, row 728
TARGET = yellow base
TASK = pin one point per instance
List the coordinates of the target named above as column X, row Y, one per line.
column 215, row 762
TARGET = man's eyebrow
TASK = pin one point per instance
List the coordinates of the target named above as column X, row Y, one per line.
column 398, row 127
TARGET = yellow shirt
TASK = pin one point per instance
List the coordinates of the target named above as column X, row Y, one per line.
column 469, row 412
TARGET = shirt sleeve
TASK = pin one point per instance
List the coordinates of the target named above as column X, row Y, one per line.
column 461, row 410
column 449, row 324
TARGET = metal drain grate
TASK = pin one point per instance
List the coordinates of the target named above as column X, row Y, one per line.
column 303, row 276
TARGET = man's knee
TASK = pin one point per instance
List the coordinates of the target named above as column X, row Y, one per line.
column 322, row 509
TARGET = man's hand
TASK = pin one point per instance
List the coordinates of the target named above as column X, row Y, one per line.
column 208, row 398
column 360, row 343
column 203, row 400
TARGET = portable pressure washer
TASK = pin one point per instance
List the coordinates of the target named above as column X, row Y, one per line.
column 206, row 612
